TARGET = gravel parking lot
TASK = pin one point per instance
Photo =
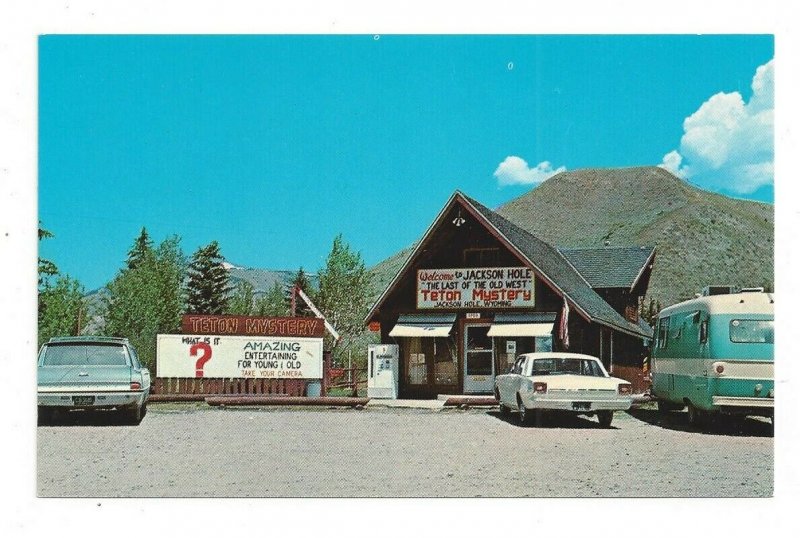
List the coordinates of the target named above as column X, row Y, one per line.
column 198, row 451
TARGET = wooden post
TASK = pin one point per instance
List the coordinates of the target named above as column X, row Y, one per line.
column 326, row 369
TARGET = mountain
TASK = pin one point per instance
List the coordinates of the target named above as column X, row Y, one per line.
column 701, row 238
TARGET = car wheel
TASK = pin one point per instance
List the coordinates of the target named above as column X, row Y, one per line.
column 504, row 410
column 135, row 414
column 44, row 415
column 605, row 418
column 524, row 415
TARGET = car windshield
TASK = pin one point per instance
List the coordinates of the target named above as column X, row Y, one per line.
column 560, row 366
column 88, row 354
column 753, row 331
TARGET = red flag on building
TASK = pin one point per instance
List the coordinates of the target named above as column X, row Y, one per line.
column 563, row 332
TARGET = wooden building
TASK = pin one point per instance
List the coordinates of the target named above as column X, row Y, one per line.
column 479, row 290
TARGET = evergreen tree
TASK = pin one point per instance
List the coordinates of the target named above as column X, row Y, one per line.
column 208, row 287
column 273, row 302
column 344, row 291
column 242, row 301
column 147, row 299
column 47, row 268
column 302, row 281
column 141, row 249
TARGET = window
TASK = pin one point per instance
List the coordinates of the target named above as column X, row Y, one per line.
column 481, row 257
column 662, row 333
column 704, row 331
column 87, row 354
column 559, row 366
column 752, row 331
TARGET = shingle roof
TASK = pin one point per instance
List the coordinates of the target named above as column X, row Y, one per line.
column 554, row 265
column 609, row 267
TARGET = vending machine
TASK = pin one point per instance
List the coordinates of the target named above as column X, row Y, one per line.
column 383, row 369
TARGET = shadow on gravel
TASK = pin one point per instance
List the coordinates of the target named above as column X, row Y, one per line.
column 719, row 425
column 85, row 418
column 553, row 420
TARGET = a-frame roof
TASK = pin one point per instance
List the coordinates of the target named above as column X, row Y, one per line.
column 545, row 260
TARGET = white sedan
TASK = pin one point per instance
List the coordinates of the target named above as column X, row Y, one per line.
column 566, row 382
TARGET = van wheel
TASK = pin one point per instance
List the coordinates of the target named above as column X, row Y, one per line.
column 696, row 416
column 666, row 407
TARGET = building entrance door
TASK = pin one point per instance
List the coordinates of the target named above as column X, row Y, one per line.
column 478, row 359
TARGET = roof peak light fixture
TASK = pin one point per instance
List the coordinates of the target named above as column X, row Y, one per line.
column 458, row 221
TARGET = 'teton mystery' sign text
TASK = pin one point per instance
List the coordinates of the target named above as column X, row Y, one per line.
column 253, row 325
column 489, row 287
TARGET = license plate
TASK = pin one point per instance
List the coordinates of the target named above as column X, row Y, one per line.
column 581, row 406
column 83, row 400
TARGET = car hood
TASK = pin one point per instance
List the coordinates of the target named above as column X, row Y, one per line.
column 575, row 382
column 64, row 376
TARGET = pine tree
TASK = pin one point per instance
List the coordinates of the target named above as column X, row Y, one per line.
column 208, row 287
column 147, row 299
column 47, row 268
column 344, row 291
column 141, row 249
column 301, row 281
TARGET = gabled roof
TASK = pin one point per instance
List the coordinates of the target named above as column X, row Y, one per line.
column 555, row 268
column 544, row 259
column 610, row 267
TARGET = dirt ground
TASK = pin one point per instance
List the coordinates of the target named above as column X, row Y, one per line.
column 197, row 451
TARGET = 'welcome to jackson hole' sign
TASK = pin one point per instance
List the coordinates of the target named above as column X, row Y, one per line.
column 487, row 287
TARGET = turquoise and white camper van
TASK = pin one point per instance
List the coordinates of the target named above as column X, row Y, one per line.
column 714, row 354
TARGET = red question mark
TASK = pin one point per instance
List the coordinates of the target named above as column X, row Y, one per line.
column 204, row 357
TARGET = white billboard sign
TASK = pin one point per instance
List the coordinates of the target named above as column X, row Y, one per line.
column 488, row 287
column 183, row 355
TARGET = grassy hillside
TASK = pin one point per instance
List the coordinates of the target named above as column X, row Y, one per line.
column 700, row 237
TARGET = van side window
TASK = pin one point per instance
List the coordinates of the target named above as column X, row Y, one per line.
column 663, row 332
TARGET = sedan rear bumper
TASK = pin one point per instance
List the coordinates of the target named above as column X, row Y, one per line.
column 91, row 400
column 579, row 406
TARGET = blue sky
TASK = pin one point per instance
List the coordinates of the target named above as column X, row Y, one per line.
column 274, row 144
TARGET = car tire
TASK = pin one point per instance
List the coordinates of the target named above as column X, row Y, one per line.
column 605, row 418
column 504, row 410
column 135, row 414
column 524, row 415
column 44, row 415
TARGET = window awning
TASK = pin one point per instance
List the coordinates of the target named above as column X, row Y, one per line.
column 521, row 329
column 423, row 325
column 523, row 324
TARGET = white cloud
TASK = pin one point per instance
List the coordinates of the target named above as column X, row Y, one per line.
column 728, row 144
column 515, row 171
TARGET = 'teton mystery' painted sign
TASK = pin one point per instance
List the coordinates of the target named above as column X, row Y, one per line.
column 184, row 355
column 488, row 287
column 252, row 325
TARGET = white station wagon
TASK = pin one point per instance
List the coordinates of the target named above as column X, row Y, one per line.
column 565, row 382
